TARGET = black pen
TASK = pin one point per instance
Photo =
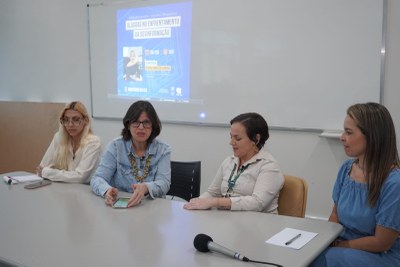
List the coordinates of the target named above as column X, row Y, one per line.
column 293, row 239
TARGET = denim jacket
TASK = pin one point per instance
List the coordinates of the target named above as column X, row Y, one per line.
column 115, row 169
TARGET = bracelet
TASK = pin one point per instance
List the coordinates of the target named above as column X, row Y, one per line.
column 218, row 203
column 335, row 243
column 220, row 206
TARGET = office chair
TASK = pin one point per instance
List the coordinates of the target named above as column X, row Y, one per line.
column 185, row 179
column 293, row 197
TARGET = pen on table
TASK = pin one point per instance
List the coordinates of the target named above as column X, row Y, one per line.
column 293, row 239
column 10, row 179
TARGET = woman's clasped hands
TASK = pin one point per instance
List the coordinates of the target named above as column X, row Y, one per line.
column 200, row 203
column 139, row 192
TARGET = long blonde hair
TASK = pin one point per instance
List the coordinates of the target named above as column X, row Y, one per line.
column 62, row 151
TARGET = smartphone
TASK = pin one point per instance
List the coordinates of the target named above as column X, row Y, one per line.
column 37, row 184
column 121, row 203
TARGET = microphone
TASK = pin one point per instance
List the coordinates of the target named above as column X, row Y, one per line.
column 204, row 243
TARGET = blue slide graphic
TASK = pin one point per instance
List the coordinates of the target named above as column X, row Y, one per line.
column 153, row 57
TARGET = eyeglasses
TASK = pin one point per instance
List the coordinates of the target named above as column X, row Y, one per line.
column 146, row 124
column 75, row 121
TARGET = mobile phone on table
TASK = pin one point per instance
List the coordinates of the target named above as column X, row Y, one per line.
column 121, row 203
column 37, row 184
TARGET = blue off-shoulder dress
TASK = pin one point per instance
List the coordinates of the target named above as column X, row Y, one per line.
column 359, row 220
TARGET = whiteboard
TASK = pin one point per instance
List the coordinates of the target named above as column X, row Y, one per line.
column 300, row 64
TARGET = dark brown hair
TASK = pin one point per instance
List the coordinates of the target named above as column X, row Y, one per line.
column 133, row 114
column 381, row 155
column 254, row 124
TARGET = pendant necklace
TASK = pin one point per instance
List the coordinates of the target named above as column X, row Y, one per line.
column 146, row 171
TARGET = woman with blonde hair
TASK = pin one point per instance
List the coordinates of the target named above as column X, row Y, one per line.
column 74, row 152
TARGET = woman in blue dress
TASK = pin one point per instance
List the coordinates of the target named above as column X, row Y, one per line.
column 366, row 194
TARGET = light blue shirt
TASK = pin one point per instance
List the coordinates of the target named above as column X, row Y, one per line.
column 115, row 169
column 360, row 220
column 357, row 217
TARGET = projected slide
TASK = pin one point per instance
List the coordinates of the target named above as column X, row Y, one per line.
column 199, row 62
column 154, row 52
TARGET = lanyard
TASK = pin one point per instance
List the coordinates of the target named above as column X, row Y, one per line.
column 232, row 182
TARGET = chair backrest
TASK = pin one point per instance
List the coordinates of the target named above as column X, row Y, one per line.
column 185, row 179
column 293, row 197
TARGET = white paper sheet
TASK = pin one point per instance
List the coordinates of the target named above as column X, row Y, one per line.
column 283, row 237
column 21, row 178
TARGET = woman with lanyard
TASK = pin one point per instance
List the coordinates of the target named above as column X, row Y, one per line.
column 136, row 162
column 250, row 179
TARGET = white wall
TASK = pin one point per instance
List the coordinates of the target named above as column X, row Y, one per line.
column 44, row 57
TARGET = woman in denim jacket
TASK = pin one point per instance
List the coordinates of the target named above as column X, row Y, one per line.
column 136, row 162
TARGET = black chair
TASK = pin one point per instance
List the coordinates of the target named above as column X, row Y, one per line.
column 185, row 179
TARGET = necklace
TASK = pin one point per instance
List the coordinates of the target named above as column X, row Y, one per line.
column 357, row 162
column 146, row 171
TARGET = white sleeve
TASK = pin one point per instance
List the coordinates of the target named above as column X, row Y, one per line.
column 49, row 155
column 214, row 190
column 83, row 169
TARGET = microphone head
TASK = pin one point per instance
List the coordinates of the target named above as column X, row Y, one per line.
column 200, row 242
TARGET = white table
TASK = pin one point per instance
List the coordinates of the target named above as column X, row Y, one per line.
column 67, row 225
